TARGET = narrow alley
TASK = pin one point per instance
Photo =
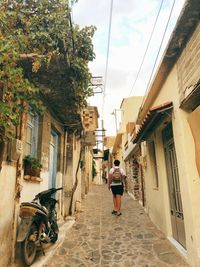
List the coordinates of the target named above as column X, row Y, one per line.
column 101, row 239
column 83, row 84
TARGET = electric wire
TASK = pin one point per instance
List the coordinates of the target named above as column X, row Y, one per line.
column 72, row 32
column 150, row 38
column 156, row 59
column 107, row 56
column 70, row 17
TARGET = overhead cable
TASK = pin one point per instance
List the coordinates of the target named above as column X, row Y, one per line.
column 146, row 48
column 72, row 32
column 155, row 62
column 107, row 57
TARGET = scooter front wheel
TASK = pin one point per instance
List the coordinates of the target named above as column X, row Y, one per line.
column 28, row 246
column 54, row 238
column 54, row 228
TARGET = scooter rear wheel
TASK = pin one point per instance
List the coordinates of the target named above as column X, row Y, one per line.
column 28, row 246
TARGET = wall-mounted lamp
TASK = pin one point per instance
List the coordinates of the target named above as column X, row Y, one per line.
column 115, row 114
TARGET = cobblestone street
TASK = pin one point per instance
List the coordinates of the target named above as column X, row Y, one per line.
column 101, row 239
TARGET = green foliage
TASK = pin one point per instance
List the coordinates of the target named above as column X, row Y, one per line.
column 33, row 162
column 39, row 32
column 94, row 171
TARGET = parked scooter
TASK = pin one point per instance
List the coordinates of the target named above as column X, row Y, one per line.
column 38, row 224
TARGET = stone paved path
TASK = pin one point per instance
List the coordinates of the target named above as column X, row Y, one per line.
column 100, row 239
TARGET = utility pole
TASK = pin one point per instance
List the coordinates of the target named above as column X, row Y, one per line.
column 103, row 135
column 116, row 121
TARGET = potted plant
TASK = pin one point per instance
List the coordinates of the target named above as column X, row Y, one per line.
column 32, row 166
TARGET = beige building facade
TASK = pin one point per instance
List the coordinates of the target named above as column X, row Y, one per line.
column 60, row 150
column 169, row 138
column 124, row 149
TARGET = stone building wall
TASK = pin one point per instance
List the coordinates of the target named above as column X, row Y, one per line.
column 132, row 171
column 188, row 65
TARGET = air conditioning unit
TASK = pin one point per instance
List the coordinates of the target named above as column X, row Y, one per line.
column 16, row 148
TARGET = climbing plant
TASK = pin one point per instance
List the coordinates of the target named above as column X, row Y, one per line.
column 94, row 171
column 37, row 39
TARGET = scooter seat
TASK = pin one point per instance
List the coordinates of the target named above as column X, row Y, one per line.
column 35, row 205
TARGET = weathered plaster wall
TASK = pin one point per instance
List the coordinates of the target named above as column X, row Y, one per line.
column 7, row 185
column 188, row 175
column 98, row 177
column 47, row 123
column 129, row 108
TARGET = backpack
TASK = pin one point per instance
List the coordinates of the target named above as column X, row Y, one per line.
column 116, row 175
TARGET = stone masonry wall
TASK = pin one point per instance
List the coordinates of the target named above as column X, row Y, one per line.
column 188, row 65
column 132, row 172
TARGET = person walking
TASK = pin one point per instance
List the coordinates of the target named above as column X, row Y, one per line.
column 116, row 182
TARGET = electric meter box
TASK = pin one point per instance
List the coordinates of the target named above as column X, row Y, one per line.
column 16, row 148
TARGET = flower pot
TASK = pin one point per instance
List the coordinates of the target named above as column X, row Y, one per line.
column 28, row 170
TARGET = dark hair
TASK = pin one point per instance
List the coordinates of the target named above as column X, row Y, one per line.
column 116, row 162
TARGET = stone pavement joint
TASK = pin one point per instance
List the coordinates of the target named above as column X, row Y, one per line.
column 100, row 239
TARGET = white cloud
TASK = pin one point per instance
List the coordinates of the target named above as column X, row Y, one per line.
column 132, row 23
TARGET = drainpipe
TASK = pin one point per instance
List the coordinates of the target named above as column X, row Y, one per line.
column 142, row 184
column 18, row 186
column 64, row 172
column 75, row 184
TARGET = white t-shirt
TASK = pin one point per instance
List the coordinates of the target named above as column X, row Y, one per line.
column 121, row 171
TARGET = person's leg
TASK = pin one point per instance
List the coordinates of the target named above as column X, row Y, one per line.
column 115, row 202
column 118, row 203
column 113, row 189
column 118, row 198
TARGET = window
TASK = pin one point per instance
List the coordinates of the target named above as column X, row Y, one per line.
column 31, row 134
column 152, row 154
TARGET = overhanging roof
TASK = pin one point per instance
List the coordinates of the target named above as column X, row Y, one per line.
column 133, row 149
column 152, row 120
column 185, row 26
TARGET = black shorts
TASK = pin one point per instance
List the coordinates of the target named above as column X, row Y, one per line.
column 117, row 189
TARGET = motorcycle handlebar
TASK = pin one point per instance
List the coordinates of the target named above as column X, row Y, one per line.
column 60, row 188
column 47, row 193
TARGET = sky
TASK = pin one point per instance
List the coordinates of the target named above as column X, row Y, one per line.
column 131, row 28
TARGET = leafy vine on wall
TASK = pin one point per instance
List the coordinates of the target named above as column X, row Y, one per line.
column 36, row 40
